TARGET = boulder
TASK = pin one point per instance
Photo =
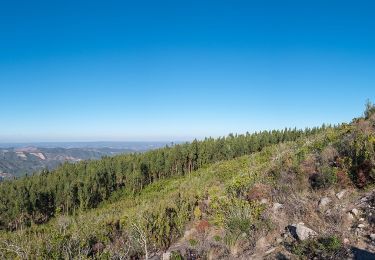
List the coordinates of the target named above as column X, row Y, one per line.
column 350, row 216
column 301, row 232
column 341, row 194
column 323, row 202
column 270, row 251
column 355, row 212
column 277, row 206
column 166, row 256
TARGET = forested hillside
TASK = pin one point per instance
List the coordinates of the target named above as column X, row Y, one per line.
column 84, row 185
column 272, row 195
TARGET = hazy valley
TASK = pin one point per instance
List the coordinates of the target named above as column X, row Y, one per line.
column 20, row 159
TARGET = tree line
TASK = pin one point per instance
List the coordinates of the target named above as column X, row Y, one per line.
column 83, row 185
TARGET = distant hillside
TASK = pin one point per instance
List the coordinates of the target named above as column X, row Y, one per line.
column 22, row 159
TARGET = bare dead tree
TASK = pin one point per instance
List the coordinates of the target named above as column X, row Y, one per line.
column 140, row 237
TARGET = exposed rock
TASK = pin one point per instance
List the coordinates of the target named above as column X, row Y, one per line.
column 301, row 232
column 270, row 251
column 341, row 194
column 361, row 225
column 323, row 202
column 372, row 236
column 166, row 256
column 350, row 216
column 277, row 206
column 355, row 212
column 264, row 201
column 304, row 232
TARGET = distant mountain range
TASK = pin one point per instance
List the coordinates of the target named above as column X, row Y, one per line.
column 26, row 158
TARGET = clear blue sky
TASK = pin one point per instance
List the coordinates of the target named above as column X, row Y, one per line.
column 175, row 70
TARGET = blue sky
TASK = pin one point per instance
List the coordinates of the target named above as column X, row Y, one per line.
column 176, row 70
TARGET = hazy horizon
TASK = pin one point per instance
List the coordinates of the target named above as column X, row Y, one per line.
column 78, row 140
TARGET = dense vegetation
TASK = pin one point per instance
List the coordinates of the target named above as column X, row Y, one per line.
column 84, row 185
column 216, row 196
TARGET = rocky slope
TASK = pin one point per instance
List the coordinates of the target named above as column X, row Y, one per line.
column 320, row 206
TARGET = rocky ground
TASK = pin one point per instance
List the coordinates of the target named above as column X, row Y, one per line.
column 347, row 212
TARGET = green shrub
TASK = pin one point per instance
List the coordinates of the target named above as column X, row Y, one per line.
column 323, row 179
column 193, row 242
column 361, row 149
column 320, row 248
column 197, row 213
column 176, row 256
column 369, row 109
column 217, row 238
column 238, row 217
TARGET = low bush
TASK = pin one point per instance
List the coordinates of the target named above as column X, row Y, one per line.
column 329, row 247
column 369, row 109
column 239, row 218
column 176, row 256
column 323, row 179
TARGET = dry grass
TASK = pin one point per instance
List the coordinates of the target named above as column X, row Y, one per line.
column 258, row 192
